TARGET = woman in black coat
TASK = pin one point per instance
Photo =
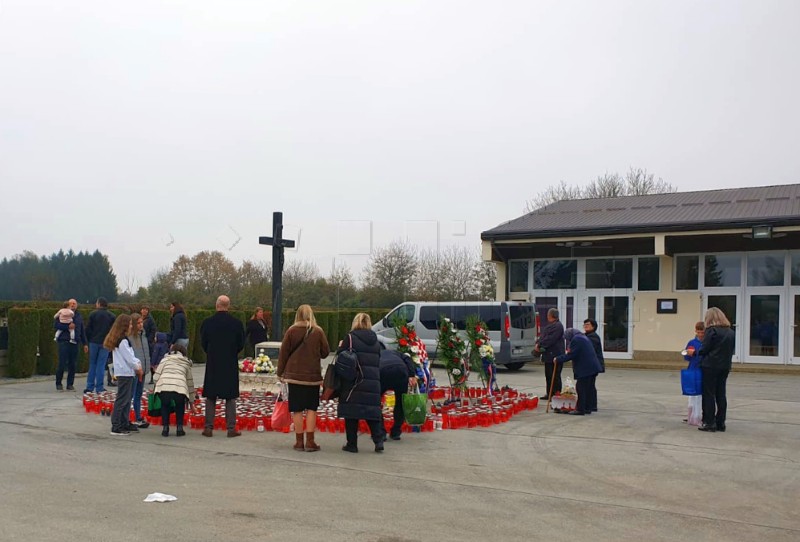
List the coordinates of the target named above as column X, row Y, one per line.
column 178, row 327
column 256, row 331
column 590, row 329
column 361, row 400
column 716, row 356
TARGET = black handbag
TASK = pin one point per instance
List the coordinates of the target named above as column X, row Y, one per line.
column 331, row 383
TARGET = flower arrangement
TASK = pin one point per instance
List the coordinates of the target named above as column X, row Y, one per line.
column 451, row 351
column 259, row 364
column 408, row 342
column 481, row 353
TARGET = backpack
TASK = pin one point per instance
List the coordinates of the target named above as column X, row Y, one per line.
column 347, row 365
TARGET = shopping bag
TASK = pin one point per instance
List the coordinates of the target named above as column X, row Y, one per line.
column 281, row 417
column 154, row 405
column 331, row 383
column 695, row 416
column 692, row 381
column 415, row 407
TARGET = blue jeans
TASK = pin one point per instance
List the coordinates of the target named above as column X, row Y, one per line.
column 67, row 358
column 138, row 390
column 98, row 356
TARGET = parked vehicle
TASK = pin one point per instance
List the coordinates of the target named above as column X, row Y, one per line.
column 512, row 326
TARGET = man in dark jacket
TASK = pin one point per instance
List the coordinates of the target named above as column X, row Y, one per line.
column 397, row 374
column 590, row 329
column 551, row 344
column 222, row 338
column 584, row 366
column 67, row 351
column 100, row 322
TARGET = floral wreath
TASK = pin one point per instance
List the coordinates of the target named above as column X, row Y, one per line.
column 451, row 349
column 408, row 342
column 481, row 353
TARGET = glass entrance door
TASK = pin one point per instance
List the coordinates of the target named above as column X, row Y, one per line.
column 764, row 336
column 728, row 303
column 794, row 327
column 615, row 328
column 564, row 301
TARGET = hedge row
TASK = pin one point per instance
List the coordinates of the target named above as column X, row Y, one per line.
column 33, row 351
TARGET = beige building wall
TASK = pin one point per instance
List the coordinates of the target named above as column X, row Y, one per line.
column 663, row 336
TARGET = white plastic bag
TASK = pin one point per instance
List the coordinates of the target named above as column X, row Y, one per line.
column 568, row 388
column 695, row 415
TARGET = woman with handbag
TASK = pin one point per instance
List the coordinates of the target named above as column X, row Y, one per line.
column 360, row 399
column 174, row 383
column 299, row 365
column 716, row 355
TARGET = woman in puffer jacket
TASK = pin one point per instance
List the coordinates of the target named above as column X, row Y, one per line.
column 361, row 400
column 174, row 383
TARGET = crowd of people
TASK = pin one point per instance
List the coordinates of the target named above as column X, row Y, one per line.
column 138, row 349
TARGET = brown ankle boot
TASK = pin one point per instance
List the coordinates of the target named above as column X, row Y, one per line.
column 311, row 446
column 298, row 445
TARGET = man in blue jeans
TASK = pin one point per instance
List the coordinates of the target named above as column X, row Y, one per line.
column 100, row 322
column 68, row 351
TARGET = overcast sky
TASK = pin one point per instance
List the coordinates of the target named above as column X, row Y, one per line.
column 127, row 125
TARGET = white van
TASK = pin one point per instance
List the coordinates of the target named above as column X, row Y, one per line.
column 512, row 326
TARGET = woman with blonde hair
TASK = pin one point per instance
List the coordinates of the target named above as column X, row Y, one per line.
column 716, row 355
column 126, row 368
column 303, row 347
column 361, row 399
column 141, row 349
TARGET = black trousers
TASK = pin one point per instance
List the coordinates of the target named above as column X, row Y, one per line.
column 553, row 370
column 591, row 402
column 715, row 399
column 397, row 381
column 351, row 430
column 180, row 407
column 583, row 389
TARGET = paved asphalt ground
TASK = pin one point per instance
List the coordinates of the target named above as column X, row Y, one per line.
column 633, row 472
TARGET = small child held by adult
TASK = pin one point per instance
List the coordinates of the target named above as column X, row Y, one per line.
column 695, row 407
column 65, row 316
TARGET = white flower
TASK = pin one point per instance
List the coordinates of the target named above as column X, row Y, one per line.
column 456, row 372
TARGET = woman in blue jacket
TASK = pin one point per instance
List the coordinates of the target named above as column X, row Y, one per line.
column 585, row 367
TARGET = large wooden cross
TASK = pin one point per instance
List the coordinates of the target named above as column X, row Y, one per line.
column 278, row 243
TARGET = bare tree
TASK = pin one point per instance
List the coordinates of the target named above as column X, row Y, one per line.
column 637, row 182
column 483, row 281
column 389, row 273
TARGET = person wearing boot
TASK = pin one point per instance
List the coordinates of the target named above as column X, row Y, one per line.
column 174, row 383
column 303, row 347
column 361, row 399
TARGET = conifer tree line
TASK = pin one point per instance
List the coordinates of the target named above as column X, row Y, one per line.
column 394, row 273
column 84, row 276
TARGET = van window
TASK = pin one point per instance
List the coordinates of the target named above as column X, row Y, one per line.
column 490, row 314
column 521, row 317
column 429, row 315
column 405, row 312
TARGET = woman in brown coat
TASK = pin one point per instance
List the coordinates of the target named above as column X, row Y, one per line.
column 302, row 349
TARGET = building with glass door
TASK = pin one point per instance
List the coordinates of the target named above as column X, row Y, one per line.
column 647, row 267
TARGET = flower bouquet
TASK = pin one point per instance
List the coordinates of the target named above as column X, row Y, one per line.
column 451, row 349
column 259, row 364
column 481, row 353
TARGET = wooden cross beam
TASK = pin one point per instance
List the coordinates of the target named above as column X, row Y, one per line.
column 278, row 243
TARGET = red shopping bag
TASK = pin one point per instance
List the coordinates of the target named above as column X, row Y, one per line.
column 281, row 417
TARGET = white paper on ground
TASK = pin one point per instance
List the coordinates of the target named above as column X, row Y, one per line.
column 160, row 497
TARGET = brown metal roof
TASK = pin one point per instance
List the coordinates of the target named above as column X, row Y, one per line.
column 679, row 211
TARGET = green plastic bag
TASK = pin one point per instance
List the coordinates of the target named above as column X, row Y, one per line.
column 154, row 405
column 415, row 407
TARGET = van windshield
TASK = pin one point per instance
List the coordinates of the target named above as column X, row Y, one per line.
column 521, row 317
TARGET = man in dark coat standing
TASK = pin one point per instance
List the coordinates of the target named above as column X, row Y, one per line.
column 67, row 351
column 222, row 338
column 551, row 344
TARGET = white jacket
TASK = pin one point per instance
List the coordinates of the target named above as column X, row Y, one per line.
column 125, row 361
